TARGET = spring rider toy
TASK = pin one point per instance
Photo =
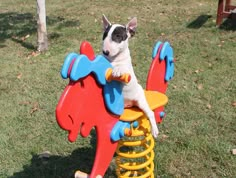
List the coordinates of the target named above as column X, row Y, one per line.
column 93, row 99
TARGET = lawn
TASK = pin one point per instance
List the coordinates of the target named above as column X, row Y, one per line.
column 198, row 134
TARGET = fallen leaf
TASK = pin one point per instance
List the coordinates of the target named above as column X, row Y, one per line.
column 19, row 75
column 34, row 108
column 198, row 70
column 33, row 54
column 165, row 136
column 200, row 87
column 234, row 104
column 14, row 37
column 233, row 151
column 25, row 37
column 209, row 106
column 25, row 103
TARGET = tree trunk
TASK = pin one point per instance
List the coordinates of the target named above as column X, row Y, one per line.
column 41, row 22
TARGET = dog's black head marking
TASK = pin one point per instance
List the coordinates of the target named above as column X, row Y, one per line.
column 119, row 34
column 106, row 32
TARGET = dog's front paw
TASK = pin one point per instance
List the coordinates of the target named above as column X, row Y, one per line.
column 155, row 131
column 119, row 71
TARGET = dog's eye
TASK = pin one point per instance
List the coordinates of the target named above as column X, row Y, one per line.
column 119, row 34
column 117, row 38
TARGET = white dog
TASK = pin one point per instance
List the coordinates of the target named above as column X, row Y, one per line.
column 116, row 50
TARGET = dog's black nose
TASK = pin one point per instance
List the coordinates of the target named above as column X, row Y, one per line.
column 106, row 52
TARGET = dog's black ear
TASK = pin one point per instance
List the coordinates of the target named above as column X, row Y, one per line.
column 106, row 22
column 131, row 26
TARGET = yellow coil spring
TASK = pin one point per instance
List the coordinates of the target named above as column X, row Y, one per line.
column 135, row 154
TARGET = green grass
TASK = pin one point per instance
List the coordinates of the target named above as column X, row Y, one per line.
column 199, row 131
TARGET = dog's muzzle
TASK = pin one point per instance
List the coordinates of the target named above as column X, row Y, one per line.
column 106, row 53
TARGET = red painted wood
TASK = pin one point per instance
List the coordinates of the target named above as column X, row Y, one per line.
column 224, row 11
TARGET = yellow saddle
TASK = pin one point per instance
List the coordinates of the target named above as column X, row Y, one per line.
column 155, row 100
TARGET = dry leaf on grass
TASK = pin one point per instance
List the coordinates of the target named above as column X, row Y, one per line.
column 234, row 151
column 33, row 54
column 25, row 37
column 198, row 71
column 25, row 103
column 19, row 75
column 34, row 108
column 209, row 106
column 200, row 87
column 234, row 104
column 164, row 136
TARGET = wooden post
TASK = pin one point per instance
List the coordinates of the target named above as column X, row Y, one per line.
column 220, row 10
column 227, row 5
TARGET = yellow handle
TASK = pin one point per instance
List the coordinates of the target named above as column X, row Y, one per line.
column 123, row 78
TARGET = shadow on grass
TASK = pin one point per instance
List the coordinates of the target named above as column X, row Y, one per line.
column 229, row 25
column 56, row 166
column 199, row 22
column 16, row 26
column 60, row 166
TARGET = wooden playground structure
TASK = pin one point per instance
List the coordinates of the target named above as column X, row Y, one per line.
column 225, row 10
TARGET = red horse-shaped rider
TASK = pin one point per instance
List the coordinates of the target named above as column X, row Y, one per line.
column 90, row 101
